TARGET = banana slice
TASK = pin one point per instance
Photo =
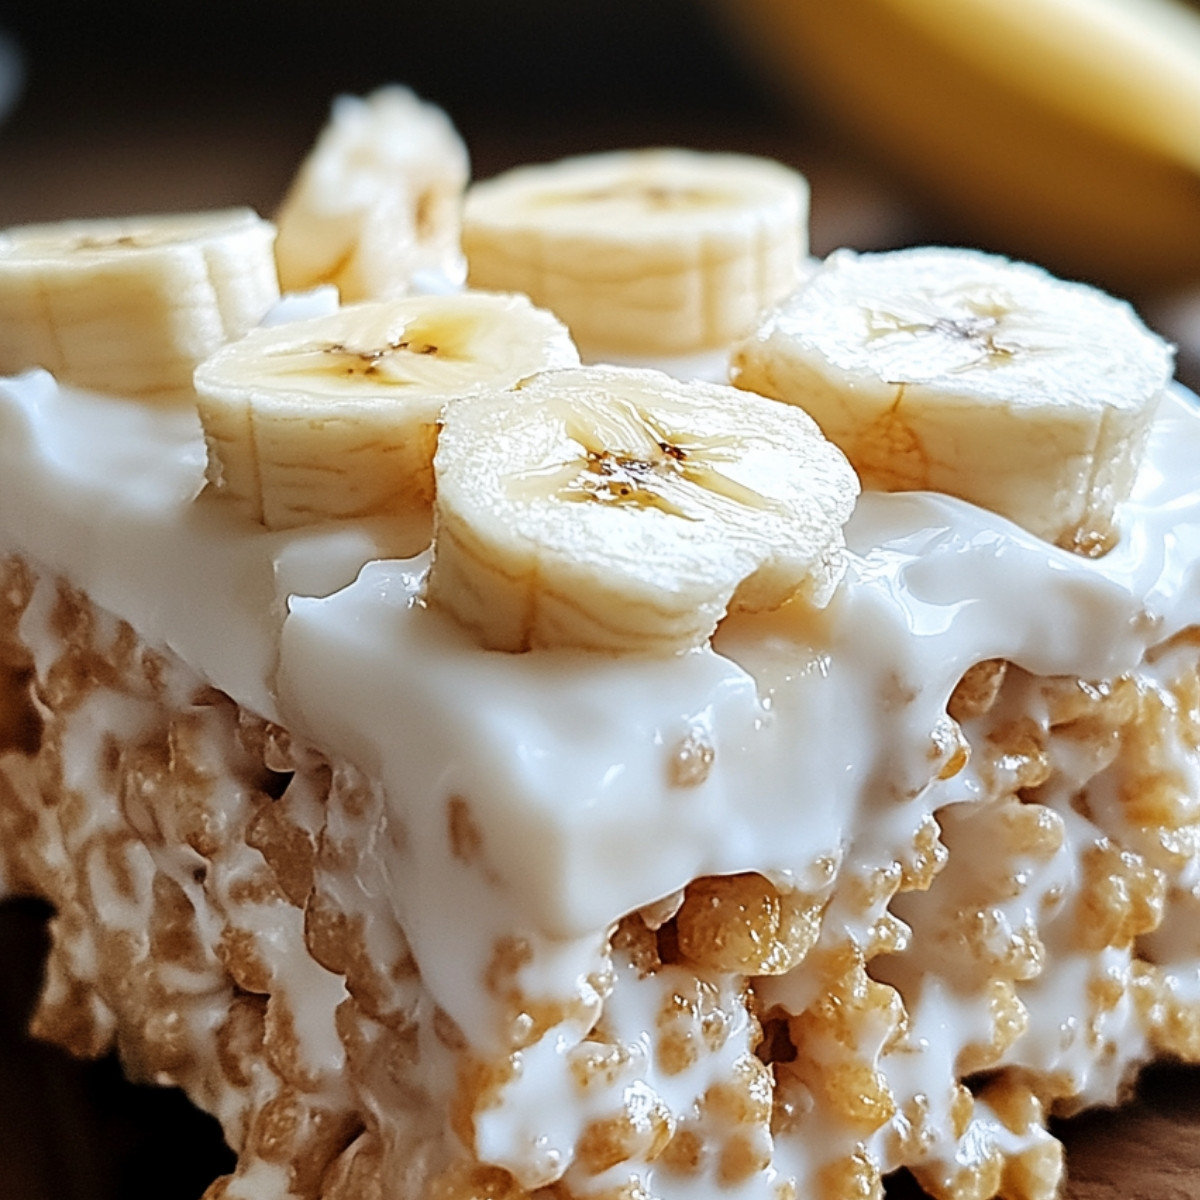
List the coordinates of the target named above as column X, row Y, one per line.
column 614, row 509
column 965, row 373
column 377, row 201
column 643, row 252
column 131, row 305
column 337, row 416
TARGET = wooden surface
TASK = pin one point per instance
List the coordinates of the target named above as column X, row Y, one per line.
column 1148, row 1151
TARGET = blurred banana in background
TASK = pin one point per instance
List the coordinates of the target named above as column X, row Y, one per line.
column 1066, row 131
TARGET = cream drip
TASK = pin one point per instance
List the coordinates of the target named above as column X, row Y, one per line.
column 564, row 753
column 820, row 727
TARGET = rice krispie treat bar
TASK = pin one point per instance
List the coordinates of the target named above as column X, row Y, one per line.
column 473, row 776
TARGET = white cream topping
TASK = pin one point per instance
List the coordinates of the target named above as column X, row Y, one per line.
column 104, row 491
column 561, row 753
column 820, row 727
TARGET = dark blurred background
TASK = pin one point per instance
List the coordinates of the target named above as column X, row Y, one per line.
column 147, row 105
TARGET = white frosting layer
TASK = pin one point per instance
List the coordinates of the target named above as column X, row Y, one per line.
column 558, row 748
column 821, row 729
column 820, row 726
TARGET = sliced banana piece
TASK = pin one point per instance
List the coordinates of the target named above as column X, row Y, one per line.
column 337, row 416
column 965, row 373
column 620, row 510
column 651, row 252
column 131, row 305
column 375, row 207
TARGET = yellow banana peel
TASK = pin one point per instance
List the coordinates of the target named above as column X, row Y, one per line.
column 1067, row 131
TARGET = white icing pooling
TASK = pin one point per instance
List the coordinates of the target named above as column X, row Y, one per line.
column 107, row 492
column 561, row 752
column 821, row 726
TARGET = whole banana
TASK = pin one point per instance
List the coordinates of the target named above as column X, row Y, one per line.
column 1062, row 131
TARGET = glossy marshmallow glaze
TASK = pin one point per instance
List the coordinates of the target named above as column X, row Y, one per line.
column 820, row 727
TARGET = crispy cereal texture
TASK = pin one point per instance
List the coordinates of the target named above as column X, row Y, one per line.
column 215, row 922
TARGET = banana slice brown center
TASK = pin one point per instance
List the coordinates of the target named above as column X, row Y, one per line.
column 620, row 479
column 978, row 328
column 349, row 360
column 121, row 242
column 390, row 362
column 89, row 243
column 663, row 473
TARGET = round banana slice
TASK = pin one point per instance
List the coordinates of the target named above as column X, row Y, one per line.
column 620, row 510
column 651, row 252
column 337, row 416
column 965, row 373
column 131, row 305
column 375, row 206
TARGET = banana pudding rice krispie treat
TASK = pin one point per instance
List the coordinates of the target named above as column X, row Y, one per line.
column 470, row 775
